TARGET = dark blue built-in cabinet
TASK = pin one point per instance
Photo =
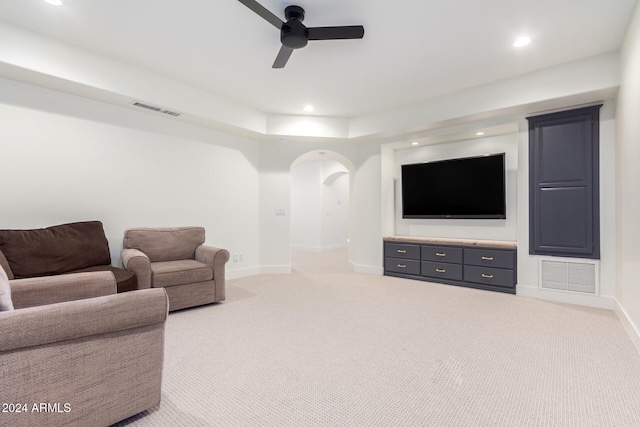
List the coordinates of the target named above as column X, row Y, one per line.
column 564, row 215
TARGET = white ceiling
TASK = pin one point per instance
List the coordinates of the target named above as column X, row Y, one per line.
column 412, row 49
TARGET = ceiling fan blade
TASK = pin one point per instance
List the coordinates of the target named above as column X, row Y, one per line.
column 283, row 57
column 335, row 33
column 263, row 12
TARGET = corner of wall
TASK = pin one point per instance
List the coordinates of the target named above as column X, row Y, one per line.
column 628, row 325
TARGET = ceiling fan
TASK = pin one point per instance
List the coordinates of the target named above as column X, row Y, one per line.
column 295, row 35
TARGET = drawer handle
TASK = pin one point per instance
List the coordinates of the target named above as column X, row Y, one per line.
column 402, row 266
column 487, row 276
column 402, row 251
column 440, row 270
column 487, row 258
column 440, row 254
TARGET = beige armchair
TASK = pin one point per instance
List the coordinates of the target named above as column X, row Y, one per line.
column 73, row 352
column 176, row 259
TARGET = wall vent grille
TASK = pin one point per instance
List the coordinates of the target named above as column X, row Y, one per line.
column 158, row 109
column 573, row 276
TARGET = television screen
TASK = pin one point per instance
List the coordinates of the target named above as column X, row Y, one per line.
column 472, row 187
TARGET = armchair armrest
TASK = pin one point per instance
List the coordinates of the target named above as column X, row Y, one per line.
column 137, row 262
column 83, row 318
column 216, row 257
column 36, row 291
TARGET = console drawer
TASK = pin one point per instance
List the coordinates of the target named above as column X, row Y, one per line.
column 405, row 266
column 402, row 250
column 489, row 257
column 442, row 254
column 442, row 270
column 490, row 276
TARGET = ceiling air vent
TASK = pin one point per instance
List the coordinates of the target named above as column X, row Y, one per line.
column 157, row 109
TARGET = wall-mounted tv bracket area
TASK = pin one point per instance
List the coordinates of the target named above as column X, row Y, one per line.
column 481, row 264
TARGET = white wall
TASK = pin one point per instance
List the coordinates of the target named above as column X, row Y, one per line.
column 67, row 159
column 335, row 197
column 627, row 202
column 489, row 229
column 367, row 223
column 306, row 205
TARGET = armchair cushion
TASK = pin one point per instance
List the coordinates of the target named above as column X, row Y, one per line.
column 165, row 244
column 182, row 272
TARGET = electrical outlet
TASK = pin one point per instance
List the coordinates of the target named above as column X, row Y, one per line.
column 235, row 257
column 281, row 211
column 241, row 256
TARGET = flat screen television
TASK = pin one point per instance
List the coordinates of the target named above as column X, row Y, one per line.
column 470, row 187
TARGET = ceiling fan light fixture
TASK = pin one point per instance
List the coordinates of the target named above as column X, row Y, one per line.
column 54, row 2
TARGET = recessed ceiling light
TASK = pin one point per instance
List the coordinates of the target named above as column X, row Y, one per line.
column 522, row 41
column 308, row 108
column 414, row 143
column 479, row 133
column 54, row 2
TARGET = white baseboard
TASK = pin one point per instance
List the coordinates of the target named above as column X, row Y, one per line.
column 241, row 272
column 628, row 325
column 254, row 271
column 595, row 301
column 367, row 269
column 319, row 249
column 275, row 269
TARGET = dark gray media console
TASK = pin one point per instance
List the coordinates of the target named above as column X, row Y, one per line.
column 483, row 264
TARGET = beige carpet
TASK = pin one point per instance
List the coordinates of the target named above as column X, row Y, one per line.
column 327, row 347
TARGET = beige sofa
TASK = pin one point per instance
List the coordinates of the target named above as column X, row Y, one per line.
column 176, row 258
column 76, row 247
column 73, row 352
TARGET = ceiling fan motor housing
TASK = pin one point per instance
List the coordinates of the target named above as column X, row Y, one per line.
column 293, row 33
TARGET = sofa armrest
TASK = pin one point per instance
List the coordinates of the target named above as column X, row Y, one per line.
column 83, row 318
column 36, row 291
column 137, row 262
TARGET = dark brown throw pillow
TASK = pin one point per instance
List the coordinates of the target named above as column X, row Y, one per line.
column 55, row 250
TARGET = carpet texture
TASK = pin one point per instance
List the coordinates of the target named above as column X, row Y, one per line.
column 326, row 347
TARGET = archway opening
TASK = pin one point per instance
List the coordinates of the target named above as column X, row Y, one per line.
column 321, row 183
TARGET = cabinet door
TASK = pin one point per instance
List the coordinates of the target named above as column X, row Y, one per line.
column 563, row 184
